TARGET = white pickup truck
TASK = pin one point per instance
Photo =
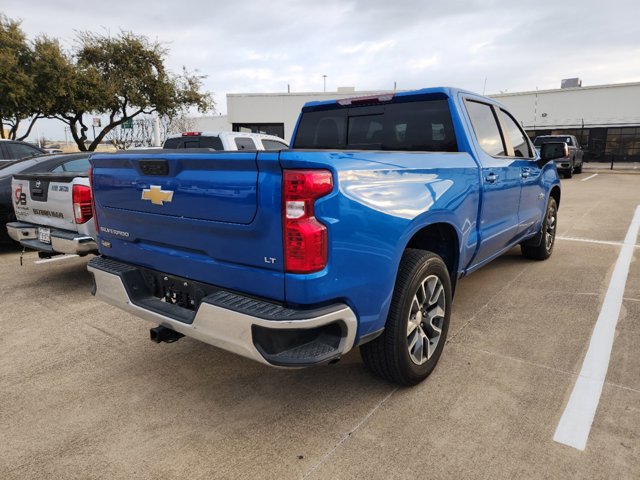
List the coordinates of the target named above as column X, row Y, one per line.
column 53, row 212
column 228, row 141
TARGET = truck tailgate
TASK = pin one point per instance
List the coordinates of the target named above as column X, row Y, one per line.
column 212, row 217
column 46, row 199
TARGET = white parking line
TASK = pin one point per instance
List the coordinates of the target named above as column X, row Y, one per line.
column 55, row 259
column 575, row 423
column 589, row 177
column 589, row 240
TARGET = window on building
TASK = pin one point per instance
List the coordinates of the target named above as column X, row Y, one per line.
column 486, row 128
column 623, row 143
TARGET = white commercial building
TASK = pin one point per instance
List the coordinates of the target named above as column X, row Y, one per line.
column 605, row 118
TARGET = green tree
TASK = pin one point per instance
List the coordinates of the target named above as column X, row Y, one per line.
column 16, row 83
column 121, row 77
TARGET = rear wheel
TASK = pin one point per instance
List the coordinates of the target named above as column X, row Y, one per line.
column 578, row 169
column 547, row 234
column 416, row 329
column 569, row 172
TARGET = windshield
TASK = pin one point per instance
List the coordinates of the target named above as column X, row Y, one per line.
column 542, row 140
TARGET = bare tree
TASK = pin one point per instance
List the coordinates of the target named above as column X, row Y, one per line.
column 141, row 133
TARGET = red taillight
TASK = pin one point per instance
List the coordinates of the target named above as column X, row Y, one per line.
column 82, row 209
column 305, row 238
column 191, row 134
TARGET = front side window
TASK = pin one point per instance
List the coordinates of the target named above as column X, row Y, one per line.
column 516, row 135
column 486, row 128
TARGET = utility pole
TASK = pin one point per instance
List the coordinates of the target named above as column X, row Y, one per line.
column 324, row 80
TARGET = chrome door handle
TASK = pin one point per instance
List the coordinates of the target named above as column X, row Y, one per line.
column 491, row 178
column 525, row 174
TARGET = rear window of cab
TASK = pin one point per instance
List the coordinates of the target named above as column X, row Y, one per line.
column 413, row 126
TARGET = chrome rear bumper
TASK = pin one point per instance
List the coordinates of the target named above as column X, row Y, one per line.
column 217, row 323
column 62, row 241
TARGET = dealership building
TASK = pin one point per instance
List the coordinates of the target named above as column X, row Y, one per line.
column 604, row 118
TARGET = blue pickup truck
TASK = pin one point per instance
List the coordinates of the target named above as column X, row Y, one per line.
column 355, row 236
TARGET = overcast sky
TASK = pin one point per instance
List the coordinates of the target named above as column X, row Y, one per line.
column 260, row 46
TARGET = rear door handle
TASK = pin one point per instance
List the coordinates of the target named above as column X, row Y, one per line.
column 491, row 178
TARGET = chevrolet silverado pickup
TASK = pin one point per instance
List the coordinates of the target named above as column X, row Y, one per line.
column 53, row 209
column 354, row 237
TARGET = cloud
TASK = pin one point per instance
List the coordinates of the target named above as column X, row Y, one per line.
column 249, row 46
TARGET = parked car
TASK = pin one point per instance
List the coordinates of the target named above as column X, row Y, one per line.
column 44, row 163
column 570, row 163
column 355, row 237
column 15, row 149
column 225, row 141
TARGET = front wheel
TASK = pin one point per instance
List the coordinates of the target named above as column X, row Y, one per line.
column 418, row 321
column 547, row 234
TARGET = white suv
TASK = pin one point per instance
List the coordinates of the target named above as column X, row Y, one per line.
column 225, row 141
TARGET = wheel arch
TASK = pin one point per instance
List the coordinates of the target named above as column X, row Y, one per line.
column 442, row 239
column 555, row 193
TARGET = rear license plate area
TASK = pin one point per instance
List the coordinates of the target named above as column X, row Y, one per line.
column 44, row 235
column 174, row 290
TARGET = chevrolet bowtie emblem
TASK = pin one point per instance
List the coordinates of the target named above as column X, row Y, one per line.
column 157, row 195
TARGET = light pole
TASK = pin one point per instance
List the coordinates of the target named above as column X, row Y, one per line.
column 324, row 81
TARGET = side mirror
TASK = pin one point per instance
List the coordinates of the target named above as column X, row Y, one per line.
column 552, row 150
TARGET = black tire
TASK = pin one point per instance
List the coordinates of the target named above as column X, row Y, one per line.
column 388, row 356
column 547, row 235
column 578, row 169
column 568, row 173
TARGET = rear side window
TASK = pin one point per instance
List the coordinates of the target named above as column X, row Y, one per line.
column 273, row 145
column 194, row 142
column 415, row 126
column 516, row 135
column 244, row 143
column 486, row 128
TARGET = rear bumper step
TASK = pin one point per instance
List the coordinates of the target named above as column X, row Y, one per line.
column 260, row 330
column 62, row 241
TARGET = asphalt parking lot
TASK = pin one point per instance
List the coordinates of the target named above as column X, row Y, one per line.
column 85, row 394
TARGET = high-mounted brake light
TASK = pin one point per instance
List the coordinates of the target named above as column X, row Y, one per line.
column 191, row 134
column 370, row 100
column 82, row 203
column 305, row 238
